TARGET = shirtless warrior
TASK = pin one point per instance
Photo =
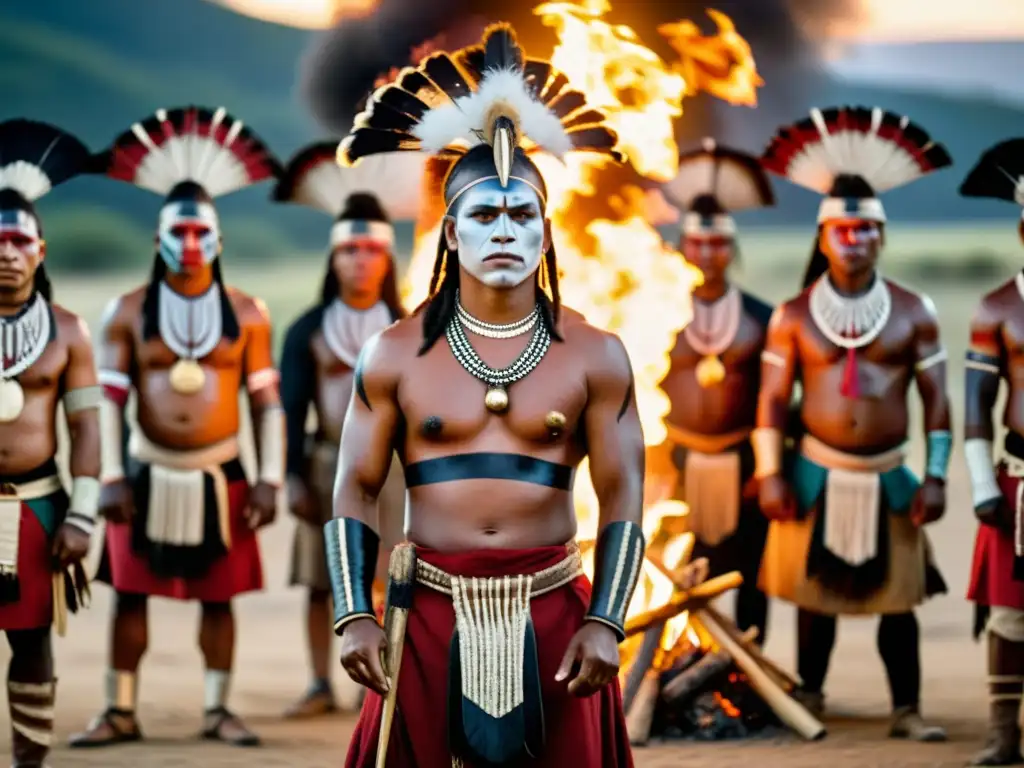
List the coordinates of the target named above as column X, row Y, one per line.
column 492, row 396
column 358, row 298
column 997, row 574
column 47, row 359
column 847, row 535
column 716, row 374
column 184, row 525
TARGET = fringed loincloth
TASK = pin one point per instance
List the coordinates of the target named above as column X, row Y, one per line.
column 711, row 481
column 183, row 517
column 854, row 550
column 495, row 711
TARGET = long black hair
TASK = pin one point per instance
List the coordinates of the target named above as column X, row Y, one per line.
column 846, row 186
column 12, row 199
column 151, row 303
column 365, row 207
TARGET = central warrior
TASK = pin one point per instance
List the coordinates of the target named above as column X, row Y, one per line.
column 185, row 527
column 492, row 395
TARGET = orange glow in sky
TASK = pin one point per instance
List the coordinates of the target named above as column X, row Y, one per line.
column 881, row 20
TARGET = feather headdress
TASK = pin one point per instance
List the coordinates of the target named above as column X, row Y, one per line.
column 713, row 181
column 194, row 146
column 850, row 154
column 488, row 95
column 999, row 173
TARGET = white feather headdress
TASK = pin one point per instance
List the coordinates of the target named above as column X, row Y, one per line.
column 35, row 157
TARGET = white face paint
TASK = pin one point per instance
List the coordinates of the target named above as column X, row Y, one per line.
column 500, row 232
column 178, row 248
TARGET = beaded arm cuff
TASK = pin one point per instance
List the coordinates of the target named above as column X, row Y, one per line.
column 617, row 561
column 352, row 548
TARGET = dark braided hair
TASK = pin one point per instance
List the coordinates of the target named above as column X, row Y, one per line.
column 439, row 306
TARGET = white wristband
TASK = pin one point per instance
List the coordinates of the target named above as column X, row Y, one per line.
column 272, row 446
column 984, row 487
column 767, row 445
column 85, row 501
column 111, row 448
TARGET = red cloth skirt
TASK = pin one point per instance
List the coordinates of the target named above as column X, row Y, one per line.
column 237, row 572
column 585, row 732
column 991, row 581
column 34, row 609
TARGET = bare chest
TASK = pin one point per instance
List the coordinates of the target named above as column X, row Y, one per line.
column 893, row 347
column 737, row 351
column 443, row 403
column 153, row 354
column 48, row 369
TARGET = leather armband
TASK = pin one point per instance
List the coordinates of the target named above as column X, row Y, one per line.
column 940, row 446
column 82, row 399
column 617, row 561
column 272, row 446
column 984, row 487
column 352, row 548
column 84, row 503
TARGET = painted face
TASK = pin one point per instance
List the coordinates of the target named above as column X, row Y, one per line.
column 851, row 245
column 361, row 265
column 500, row 232
column 711, row 254
column 189, row 235
column 21, row 248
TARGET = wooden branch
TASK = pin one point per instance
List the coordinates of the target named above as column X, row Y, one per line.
column 684, row 601
column 789, row 711
column 687, row 683
column 785, row 680
column 640, row 716
column 643, row 662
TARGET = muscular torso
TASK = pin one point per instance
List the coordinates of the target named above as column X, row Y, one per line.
column 470, row 514
column 333, row 389
column 727, row 406
column 1007, row 305
column 31, row 440
column 877, row 420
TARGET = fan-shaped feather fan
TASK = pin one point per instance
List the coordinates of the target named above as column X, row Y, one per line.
column 35, row 157
column 314, row 178
column 999, row 173
column 452, row 102
column 885, row 149
column 208, row 147
column 734, row 178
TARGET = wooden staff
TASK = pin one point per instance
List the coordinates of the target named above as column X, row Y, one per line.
column 402, row 577
column 788, row 709
column 785, row 679
column 683, row 602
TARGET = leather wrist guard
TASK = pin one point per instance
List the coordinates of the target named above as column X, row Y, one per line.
column 352, row 548
column 940, row 446
column 617, row 561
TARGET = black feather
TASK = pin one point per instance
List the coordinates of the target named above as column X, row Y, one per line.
column 593, row 138
column 445, row 75
column 364, row 142
column 537, row 73
column 938, row 156
column 554, row 87
column 586, row 117
column 401, row 101
column 471, row 62
column 997, row 173
column 419, row 85
column 383, row 116
column 300, row 165
column 501, row 49
column 567, row 102
column 58, row 154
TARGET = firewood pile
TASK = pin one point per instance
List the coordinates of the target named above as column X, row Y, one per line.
column 710, row 681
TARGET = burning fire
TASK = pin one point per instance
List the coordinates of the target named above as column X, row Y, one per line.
column 615, row 268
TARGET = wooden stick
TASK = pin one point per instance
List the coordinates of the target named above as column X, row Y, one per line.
column 684, row 601
column 640, row 715
column 642, row 663
column 786, row 680
column 685, row 685
column 788, row 710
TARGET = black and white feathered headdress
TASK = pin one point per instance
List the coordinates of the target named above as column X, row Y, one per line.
column 850, row 154
column 713, row 181
column 999, row 173
column 190, row 152
column 485, row 107
column 34, row 158
column 313, row 178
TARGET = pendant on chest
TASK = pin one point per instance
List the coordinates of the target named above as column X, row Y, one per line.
column 710, row 371
column 23, row 338
column 711, row 332
column 191, row 327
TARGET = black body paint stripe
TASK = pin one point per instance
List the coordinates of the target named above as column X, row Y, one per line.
column 628, row 398
column 978, row 357
column 360, row 386
column 489, row 466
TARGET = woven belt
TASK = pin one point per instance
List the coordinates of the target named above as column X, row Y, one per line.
column 547, row 580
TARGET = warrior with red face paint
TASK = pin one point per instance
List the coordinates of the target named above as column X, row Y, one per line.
column 184, row 526
column 847, row 519
column 46, row 360
column 716, row 373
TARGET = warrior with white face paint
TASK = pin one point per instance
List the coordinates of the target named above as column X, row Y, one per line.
column 492, row 395
column 185, row 344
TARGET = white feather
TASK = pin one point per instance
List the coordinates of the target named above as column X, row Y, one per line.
column 396, row 178
column 1018, row 193
column 28, row 179
column 732, row 184
column 462, row 121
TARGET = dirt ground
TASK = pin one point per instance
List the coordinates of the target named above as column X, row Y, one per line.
column 271, row 666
